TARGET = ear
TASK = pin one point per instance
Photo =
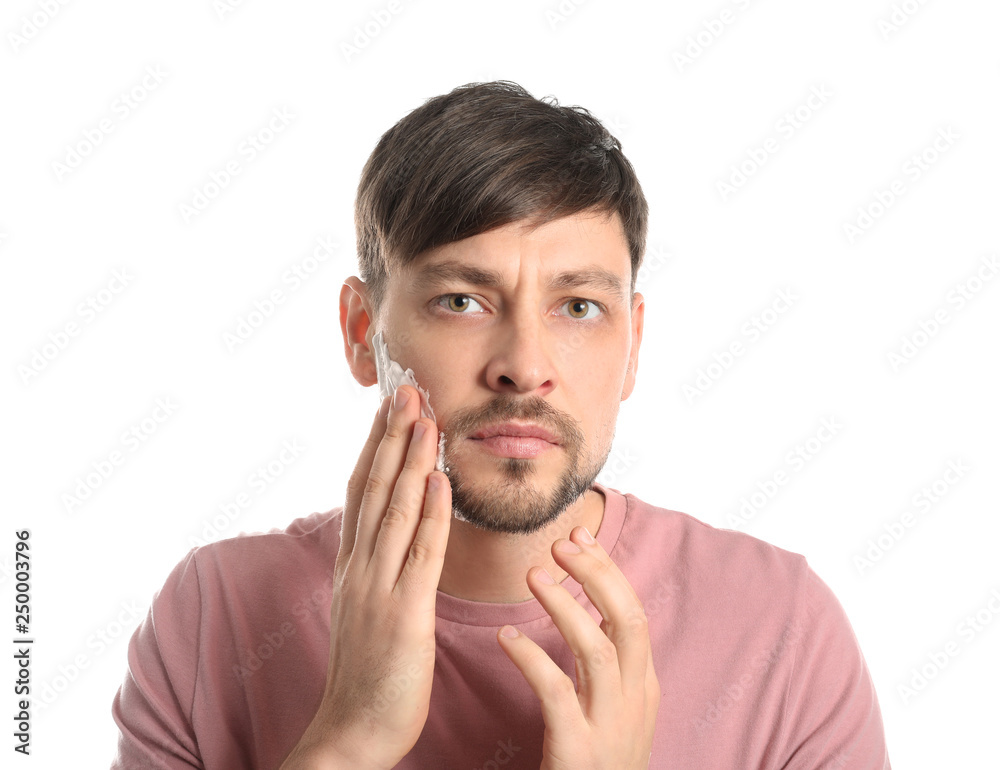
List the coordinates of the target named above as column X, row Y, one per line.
column 638, row 313
column 356, row 324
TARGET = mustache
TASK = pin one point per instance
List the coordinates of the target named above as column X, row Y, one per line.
column 506, row 407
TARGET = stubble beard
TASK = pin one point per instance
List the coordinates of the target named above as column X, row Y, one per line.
column 512, row 502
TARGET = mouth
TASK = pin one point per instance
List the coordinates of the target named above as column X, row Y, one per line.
column 509, row 439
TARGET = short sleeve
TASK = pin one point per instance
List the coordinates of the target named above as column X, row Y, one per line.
column 153, row 706
column 832, row 715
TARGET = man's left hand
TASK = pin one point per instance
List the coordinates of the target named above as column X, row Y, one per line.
column 607, row 721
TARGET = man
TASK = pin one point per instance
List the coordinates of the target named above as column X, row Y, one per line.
column 508, row 611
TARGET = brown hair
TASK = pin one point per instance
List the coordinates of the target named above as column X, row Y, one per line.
column 483, row 156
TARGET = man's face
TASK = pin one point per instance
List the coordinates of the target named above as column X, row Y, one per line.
column 517, row 330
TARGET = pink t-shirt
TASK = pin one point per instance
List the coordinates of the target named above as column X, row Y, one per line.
column 756, row 660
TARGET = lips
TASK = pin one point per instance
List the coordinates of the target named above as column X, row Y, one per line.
column 516, row 430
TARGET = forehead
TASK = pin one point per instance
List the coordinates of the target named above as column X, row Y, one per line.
column 581, row 250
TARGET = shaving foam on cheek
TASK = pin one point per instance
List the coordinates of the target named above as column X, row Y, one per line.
column 391, row 375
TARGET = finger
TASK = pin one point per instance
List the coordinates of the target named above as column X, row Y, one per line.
column 422, row 570
column 624, row 617
column 554, row 690
column 388, row 462
column 356, row 485
column 598, row 678
column 402, row 515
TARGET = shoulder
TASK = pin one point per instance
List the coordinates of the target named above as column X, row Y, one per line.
column 673, row 559
column 308, row 538
column 255, row 570
column 754, row 628
column 705, row 552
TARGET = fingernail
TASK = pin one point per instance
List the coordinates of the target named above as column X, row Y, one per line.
column 586, row 537
column 544, row 577
column 400, row 399
column 568, row 546
column 509, row 632
column 419, row 429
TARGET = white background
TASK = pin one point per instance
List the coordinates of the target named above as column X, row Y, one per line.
column 715, row 262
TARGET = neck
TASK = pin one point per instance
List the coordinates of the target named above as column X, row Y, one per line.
column 491, row 567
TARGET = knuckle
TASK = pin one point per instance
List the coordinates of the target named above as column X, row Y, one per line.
column 637, row 624
column 372, row 442
column 420, row 553
column 356, row 482
column 395, row 516
column 601, row 570
column 395, row 428
column 412, row 461
column 355, row 479
column 604, row 653
column 375, row 485
column 563, row 688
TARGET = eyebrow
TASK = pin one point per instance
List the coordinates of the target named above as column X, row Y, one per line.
column 450, row 271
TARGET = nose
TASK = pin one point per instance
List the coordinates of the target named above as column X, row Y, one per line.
column 521, row 360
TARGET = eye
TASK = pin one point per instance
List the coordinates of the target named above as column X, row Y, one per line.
column 581, row 309
column 458, row 303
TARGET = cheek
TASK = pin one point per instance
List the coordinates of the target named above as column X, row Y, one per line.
column 595, row 371
column 443, row 375
column 597, row 382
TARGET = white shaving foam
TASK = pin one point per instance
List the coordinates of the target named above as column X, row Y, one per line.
column 391, row 375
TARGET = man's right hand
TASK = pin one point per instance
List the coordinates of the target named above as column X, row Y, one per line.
column 394, row 535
